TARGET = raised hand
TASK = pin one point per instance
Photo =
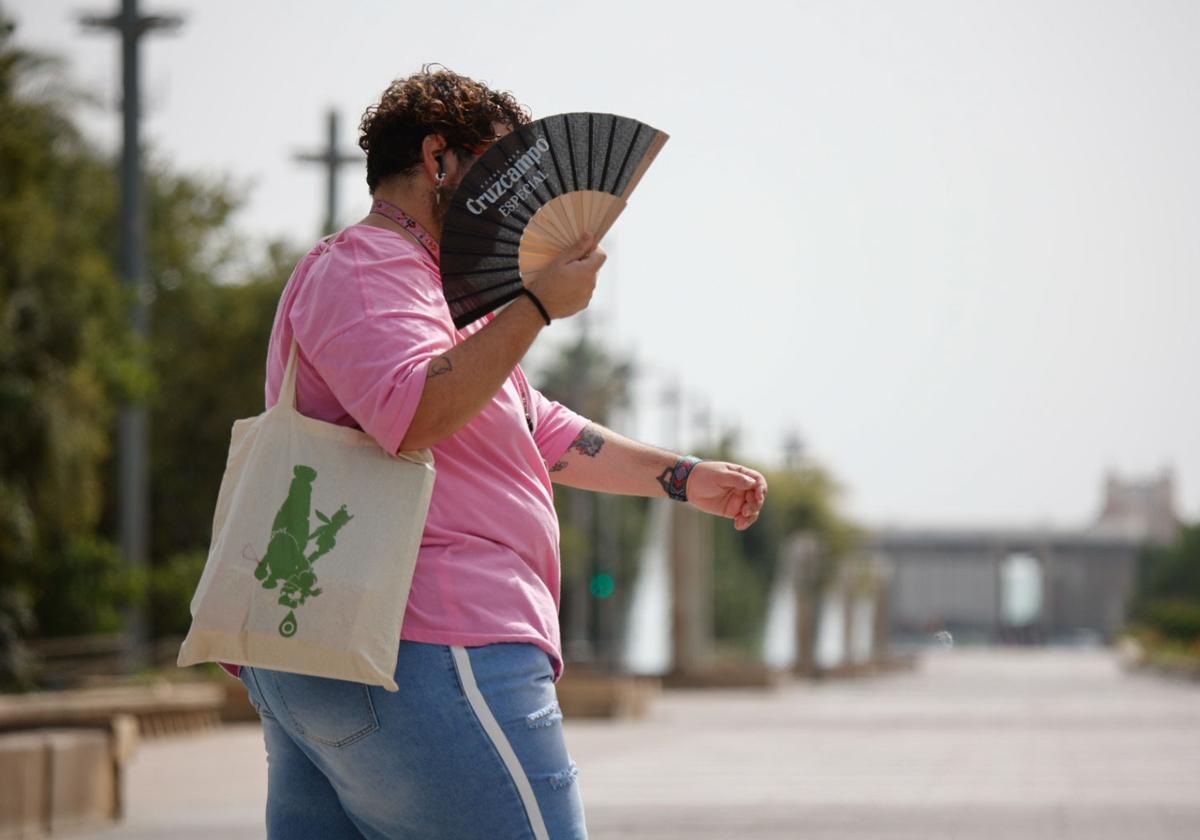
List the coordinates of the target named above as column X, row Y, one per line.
column 566, row 284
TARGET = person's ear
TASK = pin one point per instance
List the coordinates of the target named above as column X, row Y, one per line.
column 433, row 148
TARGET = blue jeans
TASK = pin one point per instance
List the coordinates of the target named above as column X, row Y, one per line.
column 471, row 746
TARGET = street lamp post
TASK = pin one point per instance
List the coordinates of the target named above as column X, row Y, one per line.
column 133, row 484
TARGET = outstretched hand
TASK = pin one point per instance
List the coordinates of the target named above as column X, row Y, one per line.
column 728, row 490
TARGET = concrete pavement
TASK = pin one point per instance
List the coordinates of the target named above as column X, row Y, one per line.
column 975, row 744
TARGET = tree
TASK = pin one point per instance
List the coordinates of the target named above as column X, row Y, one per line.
column 600, row 534
column 68, row 360
column 63, row 351
column 802, row 500
column 1168, row 589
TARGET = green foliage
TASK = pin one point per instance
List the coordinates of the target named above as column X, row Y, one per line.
column 1168, row 590
column 741, row 581
column 591, row 380
column 68, row 361
column 598, row 534
column 83, row 588
column 61, row 340
column 800, row 500
column 1177, row 619
column 1172, row 571
column 210, row 345
column 172, row 585
column 17, row 541
column 16, row 619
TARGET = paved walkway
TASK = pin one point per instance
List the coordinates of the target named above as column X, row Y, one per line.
column 974, row 745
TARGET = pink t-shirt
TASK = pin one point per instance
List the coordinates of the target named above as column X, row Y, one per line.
column 367, row 309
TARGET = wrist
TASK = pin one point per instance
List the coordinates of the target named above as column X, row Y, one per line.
column 537, row 302
column 674, row 479
column 525, row 312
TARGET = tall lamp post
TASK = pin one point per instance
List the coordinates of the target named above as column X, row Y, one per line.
column 133, row 489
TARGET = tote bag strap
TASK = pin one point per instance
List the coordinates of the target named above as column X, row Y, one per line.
column 287, row 391
column 287, row 398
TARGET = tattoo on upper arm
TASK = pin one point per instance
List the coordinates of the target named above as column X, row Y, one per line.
column 559, row 466
column 439, row 366
column 589, row 442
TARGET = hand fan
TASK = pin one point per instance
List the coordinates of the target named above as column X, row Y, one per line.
column 531, row 196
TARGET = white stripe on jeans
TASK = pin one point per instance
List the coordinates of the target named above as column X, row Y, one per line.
column 463, row 662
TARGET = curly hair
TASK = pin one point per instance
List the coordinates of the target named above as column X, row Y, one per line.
column 433, row 101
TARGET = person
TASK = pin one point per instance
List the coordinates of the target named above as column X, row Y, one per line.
column 471, row 746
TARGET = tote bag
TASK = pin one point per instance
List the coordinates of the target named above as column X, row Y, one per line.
column 314, row 544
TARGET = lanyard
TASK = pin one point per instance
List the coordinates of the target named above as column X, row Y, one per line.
column 391, row 211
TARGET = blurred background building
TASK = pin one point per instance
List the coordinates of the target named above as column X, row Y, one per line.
column 1028, row 584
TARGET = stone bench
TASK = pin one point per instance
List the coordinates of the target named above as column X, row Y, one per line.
column 159, row 709
column 585, row 693
column 63, row 778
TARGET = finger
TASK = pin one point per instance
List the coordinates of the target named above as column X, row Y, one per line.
column 754, row 474
column 751, row 510
column 760, row 484
column 594, row 260
column 733, row 506
column 744, row 522
column 582, row 247
column 737, row 481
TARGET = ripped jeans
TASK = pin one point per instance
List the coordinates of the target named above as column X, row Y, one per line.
column 471, row 746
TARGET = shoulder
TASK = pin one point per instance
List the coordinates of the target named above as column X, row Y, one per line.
column 363, row 271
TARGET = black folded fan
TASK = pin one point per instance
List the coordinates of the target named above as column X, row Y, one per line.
column 529, row 198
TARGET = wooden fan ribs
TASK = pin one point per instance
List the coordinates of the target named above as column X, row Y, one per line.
column 582, row 177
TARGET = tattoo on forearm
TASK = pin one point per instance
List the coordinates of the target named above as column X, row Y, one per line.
column 439, row 366
column 588, row 443
column 559, row 466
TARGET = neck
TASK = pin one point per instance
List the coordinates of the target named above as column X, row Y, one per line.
column 409, row 198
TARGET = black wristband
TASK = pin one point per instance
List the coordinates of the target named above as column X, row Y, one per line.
column 537, row 303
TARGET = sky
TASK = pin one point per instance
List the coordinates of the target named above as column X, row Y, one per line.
column 951, row 245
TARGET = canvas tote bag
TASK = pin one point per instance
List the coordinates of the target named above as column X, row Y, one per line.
column 314, row 545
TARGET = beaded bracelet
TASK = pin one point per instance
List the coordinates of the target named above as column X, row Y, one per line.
column 674, row 479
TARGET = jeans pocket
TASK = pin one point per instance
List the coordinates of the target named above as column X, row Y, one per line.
column 332, row 712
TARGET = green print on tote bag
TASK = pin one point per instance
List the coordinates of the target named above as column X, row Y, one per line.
column 285, row 561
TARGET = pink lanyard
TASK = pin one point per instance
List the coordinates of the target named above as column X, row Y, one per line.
column 391, row 211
